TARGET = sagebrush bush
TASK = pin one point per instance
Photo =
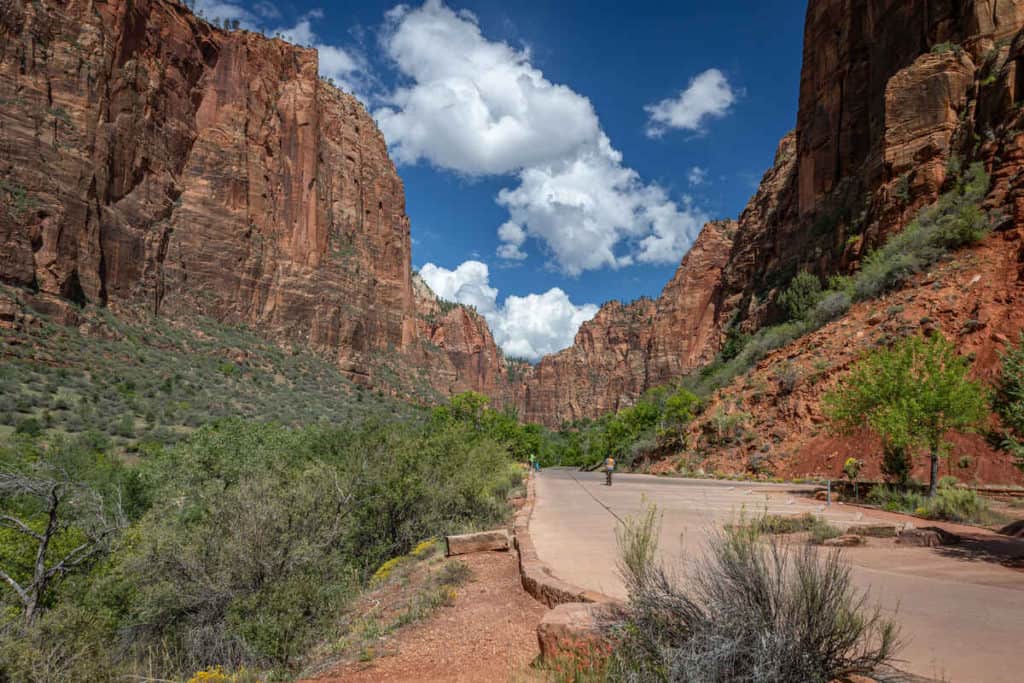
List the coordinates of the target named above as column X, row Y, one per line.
column 957, row 505
column 949, row 503
column 818, row 529
column 750, row 611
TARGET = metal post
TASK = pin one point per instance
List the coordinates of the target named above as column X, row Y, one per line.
column 828, row 495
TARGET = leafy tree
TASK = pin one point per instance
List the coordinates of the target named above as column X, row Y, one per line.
column 912, row 395
column 53, row 519
column 801, row 296
column 895, row 464
column 1009, row 399
column 676, row 415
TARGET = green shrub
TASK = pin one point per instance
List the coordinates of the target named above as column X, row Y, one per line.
column 750, row 611
column 818, row 528
column 726, row 428
column 896, row 499
column 801, row 296
column 957, row 505
column 28, row 426
column 1009, row 399
column 735, row 340
column 821, row 531
column 955, row 220
column 949, row 503
column 831, row 306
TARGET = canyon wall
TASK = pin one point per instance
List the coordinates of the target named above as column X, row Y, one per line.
column 149, row 159
column 892, row 94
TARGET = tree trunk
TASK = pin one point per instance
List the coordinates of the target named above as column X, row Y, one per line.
column 933, row 485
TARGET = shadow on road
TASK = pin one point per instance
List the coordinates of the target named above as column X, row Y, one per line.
column 1008, row 552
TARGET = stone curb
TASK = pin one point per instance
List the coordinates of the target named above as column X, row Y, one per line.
column 569, row 628
column 536, row 578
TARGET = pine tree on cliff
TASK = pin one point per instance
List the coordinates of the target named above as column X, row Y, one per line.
column 912, row 395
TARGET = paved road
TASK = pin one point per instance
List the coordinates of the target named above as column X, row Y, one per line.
column 963, row 618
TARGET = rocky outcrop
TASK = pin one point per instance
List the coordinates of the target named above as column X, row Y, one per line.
column 149, row 159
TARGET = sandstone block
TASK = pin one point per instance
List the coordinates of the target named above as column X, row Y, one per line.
column 844, row 541
column 874, row 530
column 478, row 542
column 574, row 631
column 927, row 537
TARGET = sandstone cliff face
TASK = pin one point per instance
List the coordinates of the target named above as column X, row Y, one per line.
column 627, row 348
column 891, row 91
column 150, row 159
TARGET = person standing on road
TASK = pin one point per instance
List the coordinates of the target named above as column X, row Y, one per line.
column 534, row 465
column 609, row 467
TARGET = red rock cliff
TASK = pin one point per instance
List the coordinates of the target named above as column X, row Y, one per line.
column 627, row 348
column 150, row 159
column 890, row 92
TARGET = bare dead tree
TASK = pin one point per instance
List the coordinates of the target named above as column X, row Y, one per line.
column 66, row 504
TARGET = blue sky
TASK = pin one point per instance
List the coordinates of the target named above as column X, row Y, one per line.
column 558, row 155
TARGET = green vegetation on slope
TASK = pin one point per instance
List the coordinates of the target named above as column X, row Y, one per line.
column 220, row 503
column 955, row 220
column 153, row 382
column 657, row 422
column 1009, row 400
column 241, row 546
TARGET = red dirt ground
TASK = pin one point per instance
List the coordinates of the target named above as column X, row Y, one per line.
column 489, row 634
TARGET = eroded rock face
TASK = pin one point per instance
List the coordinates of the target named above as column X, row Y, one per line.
column 150, row 159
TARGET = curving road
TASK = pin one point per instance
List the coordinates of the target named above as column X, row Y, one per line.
column 962, row 614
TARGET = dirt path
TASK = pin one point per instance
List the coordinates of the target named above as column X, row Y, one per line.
column 489, row 634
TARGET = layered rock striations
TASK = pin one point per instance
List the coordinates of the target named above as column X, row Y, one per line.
column 150, row 159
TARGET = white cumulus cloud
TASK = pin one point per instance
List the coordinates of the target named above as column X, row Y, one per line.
column 529, row 326
column 697, row 176
column 480, row 107
column 708, row 95
column 474, row 106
